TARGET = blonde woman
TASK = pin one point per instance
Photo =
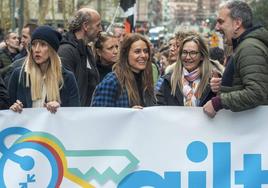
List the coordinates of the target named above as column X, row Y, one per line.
column 107, row 48
column 188, row 84
column 42, row 81
column 131, row 82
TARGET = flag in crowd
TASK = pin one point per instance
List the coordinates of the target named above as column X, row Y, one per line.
column 129, row 8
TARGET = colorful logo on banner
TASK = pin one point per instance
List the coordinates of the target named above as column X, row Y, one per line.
column 23, row 151
column 54, row 153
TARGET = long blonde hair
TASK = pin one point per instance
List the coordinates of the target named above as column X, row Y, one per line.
column 52, row 79
column 206, row 67
column 125, row 75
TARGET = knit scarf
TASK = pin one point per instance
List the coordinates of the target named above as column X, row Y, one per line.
column 190, row 81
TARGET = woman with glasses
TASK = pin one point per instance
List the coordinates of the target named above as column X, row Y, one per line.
column 42, row 81
column 188, row 84
column 107, row 48
column 131, row 82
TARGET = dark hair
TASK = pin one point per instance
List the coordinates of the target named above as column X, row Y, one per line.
column 241, row 10
column 165, row 53
column 217, row 53
column 31, row 26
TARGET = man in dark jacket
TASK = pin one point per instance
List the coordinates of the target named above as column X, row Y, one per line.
column 245, row 80
column 9, row 52
column 26, row 34
column 26, row 37
column 77, row 56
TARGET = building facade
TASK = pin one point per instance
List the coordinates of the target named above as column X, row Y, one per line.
column 151, row 12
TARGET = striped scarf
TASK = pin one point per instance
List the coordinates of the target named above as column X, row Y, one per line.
column 190, row 83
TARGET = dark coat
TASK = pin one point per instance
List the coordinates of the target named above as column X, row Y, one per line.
column 109, row 94
column 164, row 97
column 78, row 58
column 17, row 63
column 69, row 93
column 248, row 70
column 22, row 54
column 4, row 99
column 103, row 69
column 6, row 58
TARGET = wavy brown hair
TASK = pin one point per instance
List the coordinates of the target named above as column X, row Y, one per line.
column 125, row 75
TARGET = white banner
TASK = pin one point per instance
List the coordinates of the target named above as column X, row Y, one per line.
column 161, row 147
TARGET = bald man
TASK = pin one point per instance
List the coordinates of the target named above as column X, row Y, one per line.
column 77, row 56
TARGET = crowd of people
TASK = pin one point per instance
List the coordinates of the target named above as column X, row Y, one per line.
column 88, row 67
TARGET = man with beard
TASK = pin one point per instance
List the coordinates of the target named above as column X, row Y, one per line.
column 26, row 34
column 26, row 37
column 77, row 56
column 244, row 84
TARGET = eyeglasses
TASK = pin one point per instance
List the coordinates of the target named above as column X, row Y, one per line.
column 192, row 54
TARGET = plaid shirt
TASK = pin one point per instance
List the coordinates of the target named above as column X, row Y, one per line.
column 109, row 94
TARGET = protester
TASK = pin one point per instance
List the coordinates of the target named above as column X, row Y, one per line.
column 131, row 82
column 4, row 99
column 164, row 61
column 245, row 81
column 188, row 84
column 174, row 47
column 42, row 81
column 107, row 48
column 119, row 31
column 8, row 53
column 77, row 56
column 26, row 38
column 26, row 33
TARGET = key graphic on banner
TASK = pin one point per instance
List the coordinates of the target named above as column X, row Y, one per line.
column 54, row 151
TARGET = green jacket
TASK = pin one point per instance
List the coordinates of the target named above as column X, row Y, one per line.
column 250, row 79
